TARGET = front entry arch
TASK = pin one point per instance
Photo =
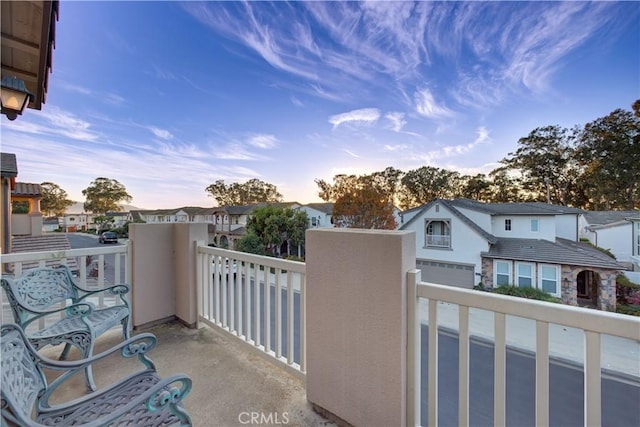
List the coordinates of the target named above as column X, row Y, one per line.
column 588, row 284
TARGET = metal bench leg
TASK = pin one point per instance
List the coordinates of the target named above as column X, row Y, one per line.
column 126, row 327
column 65, row 352
column 87, row 351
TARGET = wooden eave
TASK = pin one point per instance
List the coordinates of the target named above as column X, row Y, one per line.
column 28, row 40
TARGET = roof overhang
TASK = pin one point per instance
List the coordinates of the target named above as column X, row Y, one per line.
column 28, row 40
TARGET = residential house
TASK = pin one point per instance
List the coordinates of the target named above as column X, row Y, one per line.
column 183, row 214
column 72, row 222
column 463, row 243
column 320, row 214
column 50, row 224
column 119, row 218
column 231, row 221
column 616, row 231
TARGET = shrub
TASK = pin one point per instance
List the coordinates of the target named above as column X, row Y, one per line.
column 631, row 309
column 529, row 293
column 627, row 292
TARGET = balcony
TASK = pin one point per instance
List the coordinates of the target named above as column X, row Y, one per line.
column 349, row 334
column 438, row 241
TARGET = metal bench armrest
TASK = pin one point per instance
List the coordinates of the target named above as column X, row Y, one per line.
column 135, row 346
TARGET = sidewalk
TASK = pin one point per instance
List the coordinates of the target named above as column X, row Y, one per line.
column 618, row 354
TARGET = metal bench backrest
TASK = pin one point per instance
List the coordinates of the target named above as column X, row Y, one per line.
column 22, row 380
column 38, row 289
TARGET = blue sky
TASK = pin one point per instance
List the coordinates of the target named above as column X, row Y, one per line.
column 169, row 97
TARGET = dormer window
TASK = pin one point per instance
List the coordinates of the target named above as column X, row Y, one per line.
column 535, row 226
column 507, row 225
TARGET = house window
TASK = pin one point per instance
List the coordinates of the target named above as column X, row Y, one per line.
column 524, row 275
column 507, row 225
column 437, row 233
column 534, row 226
column 437, row 207
column 313, row 221
column 548, row 279
column 502, row 272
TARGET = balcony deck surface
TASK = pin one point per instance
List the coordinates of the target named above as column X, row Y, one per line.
column 229, row 382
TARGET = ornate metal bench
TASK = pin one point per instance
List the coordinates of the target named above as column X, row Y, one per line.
column 142, row 398
column 37, row 294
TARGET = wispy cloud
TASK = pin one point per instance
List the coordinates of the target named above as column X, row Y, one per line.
column 55, row 121
column 482, row 137
column 263, row 141
column 426, row 105
column 351, row 153
column 363, row 115
column 395, row 148
column 74, row 88
column 397, row 120
column 114, row 99
column 160, row 133
column 488, row 50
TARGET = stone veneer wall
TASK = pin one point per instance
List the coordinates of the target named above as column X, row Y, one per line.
column 568, row 283
column 606, row 296
column 487, row 272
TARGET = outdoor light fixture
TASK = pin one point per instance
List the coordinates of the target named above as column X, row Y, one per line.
column 15, row 97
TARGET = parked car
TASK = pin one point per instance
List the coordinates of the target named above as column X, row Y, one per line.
column 108, row 237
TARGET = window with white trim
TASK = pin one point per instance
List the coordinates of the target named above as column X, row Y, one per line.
column 535, row 226
column 502, row 273
column 549, row 279
column 507, row 225
column 524, row 275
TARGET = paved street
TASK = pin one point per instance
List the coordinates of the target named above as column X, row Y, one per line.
column 83, row 240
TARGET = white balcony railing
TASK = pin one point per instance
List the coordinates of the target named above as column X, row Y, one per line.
column 439, row 240
column 594, row 324
column 94, row 268
column 260, row 300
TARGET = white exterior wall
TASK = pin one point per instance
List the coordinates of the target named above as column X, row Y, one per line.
column 466, row 243
column 521, row 227
column 325, row 219
column 480, row 218
column 566, row 226
column 618, row 239
column 407, row 216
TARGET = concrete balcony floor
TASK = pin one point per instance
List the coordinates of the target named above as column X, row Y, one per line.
column 227, row 379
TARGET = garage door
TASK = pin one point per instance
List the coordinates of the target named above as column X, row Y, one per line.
column 443, row 273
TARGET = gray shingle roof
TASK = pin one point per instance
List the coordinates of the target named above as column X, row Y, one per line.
column 562, row 251
column 447, row 204
column 609, row 217
column 8, row 165
column 523, row 208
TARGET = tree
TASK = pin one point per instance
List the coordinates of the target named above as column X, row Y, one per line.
column 104, row 195
column 274, row 226
column 609, row 151
column 364, row 201
column 250, row 243
column 252, row 191
column 476, row 187
column 545, row 160
column 54, row 200
column 419, row 186
column 364, row 207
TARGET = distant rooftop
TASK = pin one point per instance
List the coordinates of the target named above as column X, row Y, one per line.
column 513, row 208
column 609, row 217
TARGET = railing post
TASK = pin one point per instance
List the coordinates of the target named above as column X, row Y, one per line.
column 357, row 324
column 414, row 344
column 200, row 282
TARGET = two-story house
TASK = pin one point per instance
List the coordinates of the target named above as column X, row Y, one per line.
column 463, row 242
column 320, row 214
column 230, row 222
column 183, row 214
column 616, row 231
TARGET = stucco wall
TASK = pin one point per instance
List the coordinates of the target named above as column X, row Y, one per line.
column 153, row 272
column 466, row 243
column 356, row 323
